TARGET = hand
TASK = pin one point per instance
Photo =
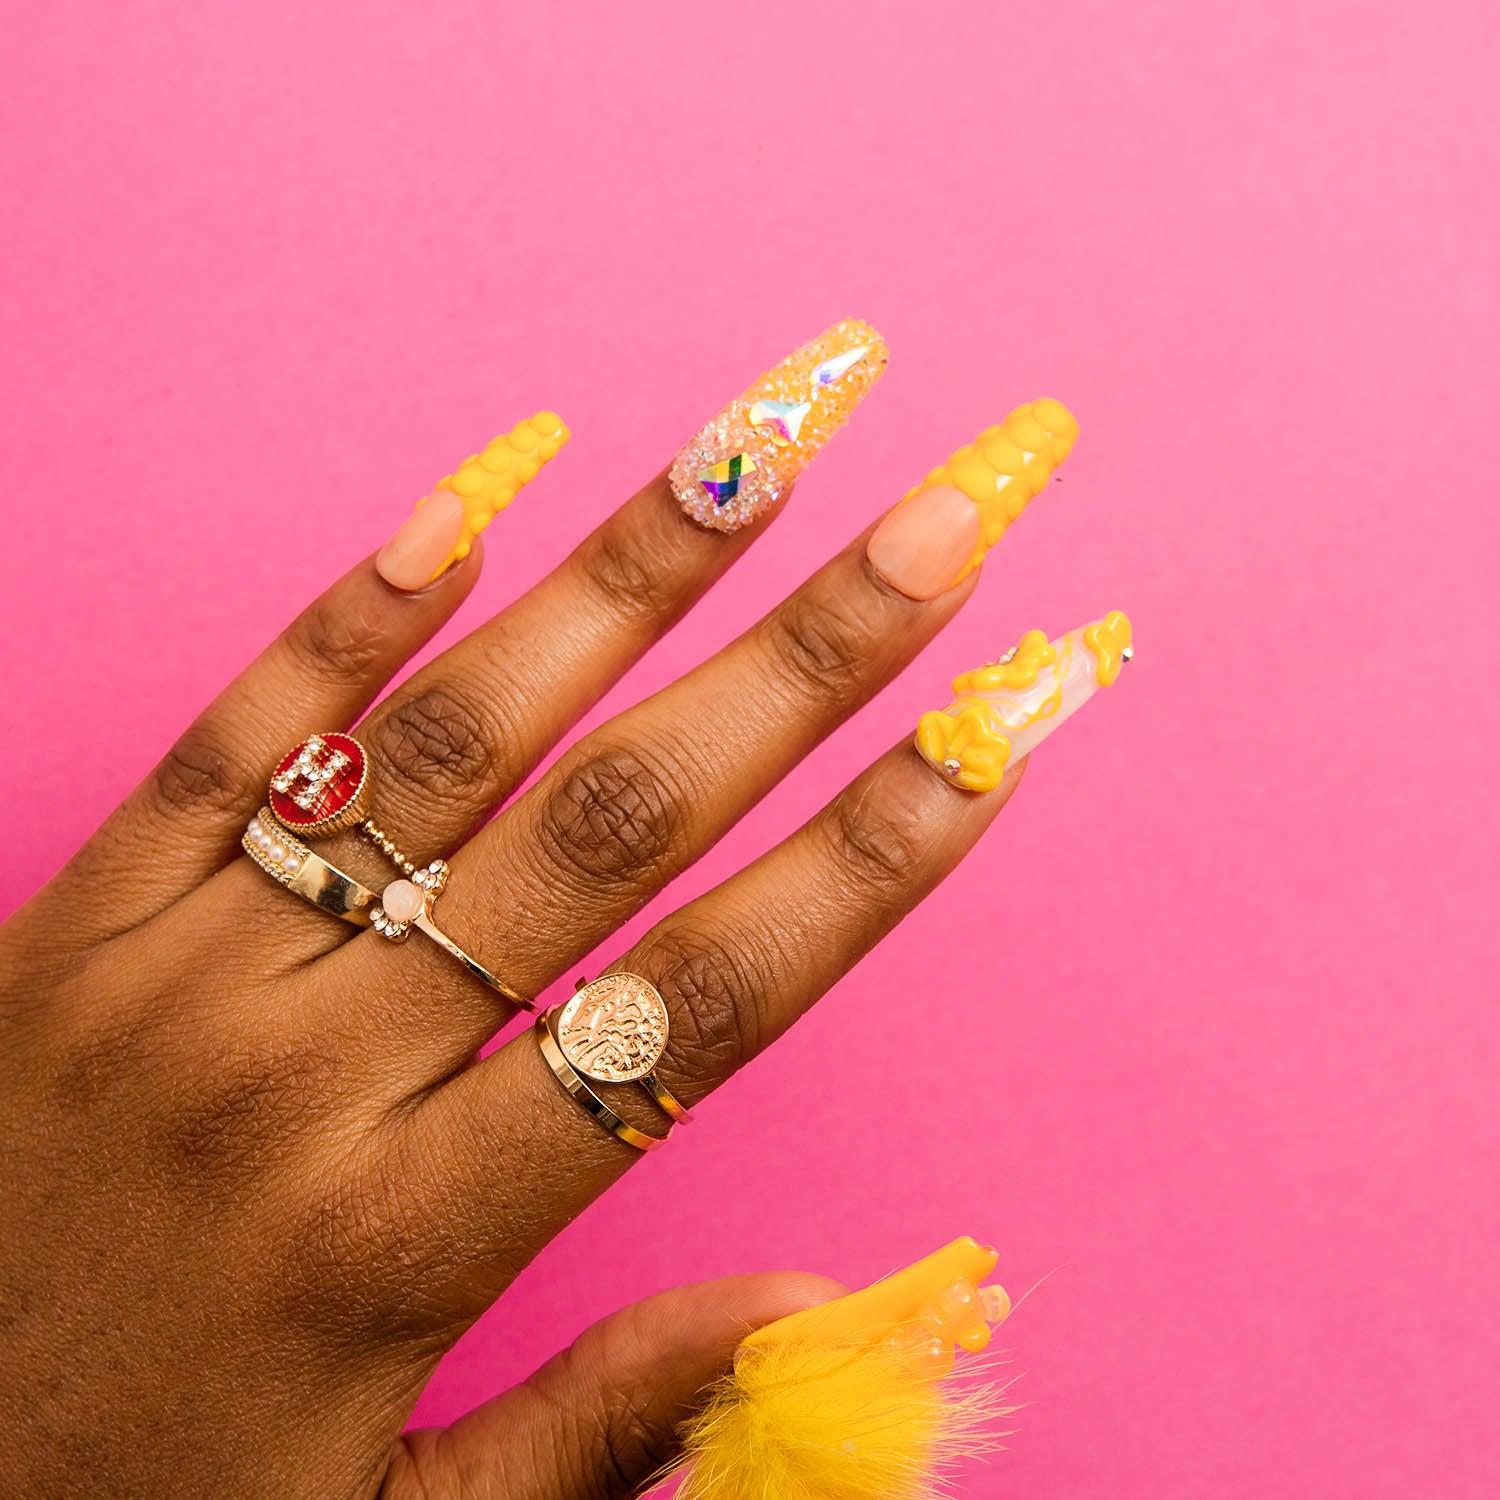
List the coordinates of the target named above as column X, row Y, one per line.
column 255, row 1181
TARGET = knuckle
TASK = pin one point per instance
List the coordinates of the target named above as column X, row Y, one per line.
column 198, row 773
column 877, row 844
column 438, row 741
column 709, row 985
column 604, row 1449
column 824, row 645
column 623, row 567
column 613, row 815
column 333, row 640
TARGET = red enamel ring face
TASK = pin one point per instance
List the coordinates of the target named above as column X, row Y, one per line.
column 319, row 787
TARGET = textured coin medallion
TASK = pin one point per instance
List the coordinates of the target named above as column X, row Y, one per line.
column 615, row 1029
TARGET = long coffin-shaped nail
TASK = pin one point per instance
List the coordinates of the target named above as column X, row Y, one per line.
column 1005, row 710
column 745, row 460
column 931, row 540
column 441, row 533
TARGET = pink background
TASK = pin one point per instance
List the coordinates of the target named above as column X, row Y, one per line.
column 1208, row 1025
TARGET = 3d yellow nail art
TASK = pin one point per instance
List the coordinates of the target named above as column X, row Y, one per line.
column 1003, row 711
column 1004, row 469
column 853, row 1400
column 746, row 458
column 487, row 482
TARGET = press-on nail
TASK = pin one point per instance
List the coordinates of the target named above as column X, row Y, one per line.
column 745, row 460
column 1004, row 469
column 921, row 546
column 1004, row 710
column 423, row 543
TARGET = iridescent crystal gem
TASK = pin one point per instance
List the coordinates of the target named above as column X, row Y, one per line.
column 784, row 418
column 722, row 480
column 837, row 366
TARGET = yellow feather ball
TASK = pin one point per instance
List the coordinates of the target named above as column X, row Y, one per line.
column 802, row 1420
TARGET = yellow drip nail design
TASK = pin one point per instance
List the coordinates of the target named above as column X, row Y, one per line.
column 1017, row 669
column 1109, row 640
column 1005, row 710
column 487, row 482
column 1004, row 469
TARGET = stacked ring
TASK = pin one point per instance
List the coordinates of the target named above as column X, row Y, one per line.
column 568, row 1076
column 611, row 1031
column 318, row 789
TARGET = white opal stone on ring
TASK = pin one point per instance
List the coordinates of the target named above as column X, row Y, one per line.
column 402, row 901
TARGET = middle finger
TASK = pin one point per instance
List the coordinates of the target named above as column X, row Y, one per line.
column 643, row 796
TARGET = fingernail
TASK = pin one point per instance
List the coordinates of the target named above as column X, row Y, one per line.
column 745, row 460
column 1001, row 472
column 924, row 544
column 1004, row 710
column 484, row 485
column 423, row 543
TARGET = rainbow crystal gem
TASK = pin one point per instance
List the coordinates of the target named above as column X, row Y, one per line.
column 722, row 480
column 837, row 366
column 784, row 418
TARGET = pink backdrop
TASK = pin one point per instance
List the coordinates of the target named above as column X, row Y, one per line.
column 1208, row 1026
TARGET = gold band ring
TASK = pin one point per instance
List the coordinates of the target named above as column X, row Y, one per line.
column 401, row 906
column 568, row 1076
column 290, row 861
column 614, row 1031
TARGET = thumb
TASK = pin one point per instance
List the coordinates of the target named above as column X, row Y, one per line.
column 600, row 1419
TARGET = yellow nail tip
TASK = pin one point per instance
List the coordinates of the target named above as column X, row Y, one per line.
column 1007, row 466
column 876, row 1311
column 487, row 482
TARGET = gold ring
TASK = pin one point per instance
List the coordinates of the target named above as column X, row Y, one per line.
column 615, row 1031
column 290, row 861
column 401, row 906
column 568, row 1076
column 321, row 787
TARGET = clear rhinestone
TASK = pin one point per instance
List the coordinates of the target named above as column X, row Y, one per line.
column 837, row 366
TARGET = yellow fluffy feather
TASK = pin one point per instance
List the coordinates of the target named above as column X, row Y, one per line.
column 854, row 1400
column 804, row 1422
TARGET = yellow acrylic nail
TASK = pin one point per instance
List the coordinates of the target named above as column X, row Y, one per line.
column 487, row 482
column 878, row 1311
column 853, row 1399
column 1004, row 710
column 1004, row 469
